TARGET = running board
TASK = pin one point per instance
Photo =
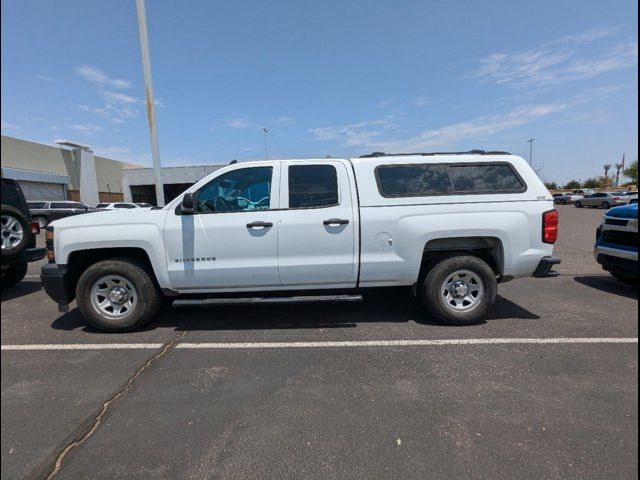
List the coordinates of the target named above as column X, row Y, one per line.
column 202, row 302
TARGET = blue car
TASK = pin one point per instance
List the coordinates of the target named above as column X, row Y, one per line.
column 616, row 246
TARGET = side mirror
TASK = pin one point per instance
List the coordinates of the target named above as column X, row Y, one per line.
column 188, row 203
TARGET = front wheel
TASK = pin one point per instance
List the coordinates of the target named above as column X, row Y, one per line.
column 459, row 290
column 117, row 295
column 578, row 204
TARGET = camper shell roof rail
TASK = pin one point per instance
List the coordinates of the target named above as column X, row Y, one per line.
column 427, row 154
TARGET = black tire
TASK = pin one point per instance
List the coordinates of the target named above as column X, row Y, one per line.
column 14, row 274
column 148, row 300
column 605, row 205
column 578, row 204
column 10, row 213
column 430, row 296
column 41, row 221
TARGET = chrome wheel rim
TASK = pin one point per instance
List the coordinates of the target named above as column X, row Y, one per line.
column 12, row 232
column 113, row 296
column 462, row 291
column 42, row 223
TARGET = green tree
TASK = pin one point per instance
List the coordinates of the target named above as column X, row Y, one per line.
column 551, row 185
column 592, row 183
column 606, row 167
column 572, row 185
column 632, row 172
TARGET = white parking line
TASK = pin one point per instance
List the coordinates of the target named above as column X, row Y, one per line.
column 355, row 343
column 82, row 346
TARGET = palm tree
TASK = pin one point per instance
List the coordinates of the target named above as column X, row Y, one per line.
column 607, row 167
column 619, row 167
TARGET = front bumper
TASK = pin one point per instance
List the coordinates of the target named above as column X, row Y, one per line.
column 55, row 283
column 614, row 259
column 545, row 266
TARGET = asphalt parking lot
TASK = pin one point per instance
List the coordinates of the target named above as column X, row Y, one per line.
column 371, row 390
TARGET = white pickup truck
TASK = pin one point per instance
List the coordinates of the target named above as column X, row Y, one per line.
column 451, row 226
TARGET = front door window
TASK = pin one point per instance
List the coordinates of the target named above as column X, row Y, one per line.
column 240, row 190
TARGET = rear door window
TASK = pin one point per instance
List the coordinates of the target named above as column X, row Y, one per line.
column 36, row 204
column 313, row 186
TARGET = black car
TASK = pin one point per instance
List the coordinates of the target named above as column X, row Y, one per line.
column 561, row 199
column 18, row 234
column 45, row 212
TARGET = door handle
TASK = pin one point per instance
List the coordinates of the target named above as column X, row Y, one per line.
column 259, row 225
column 336, row 221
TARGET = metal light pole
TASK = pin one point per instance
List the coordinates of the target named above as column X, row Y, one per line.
column 148, row 93
column 266, row 145
column 530, row 142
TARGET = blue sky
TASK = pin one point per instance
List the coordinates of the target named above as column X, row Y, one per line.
column 338, row 78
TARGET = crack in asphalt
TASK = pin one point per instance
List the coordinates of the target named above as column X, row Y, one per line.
column 91, row 429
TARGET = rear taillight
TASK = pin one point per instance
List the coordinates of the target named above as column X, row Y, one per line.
column 550, row 221
column 35, row 228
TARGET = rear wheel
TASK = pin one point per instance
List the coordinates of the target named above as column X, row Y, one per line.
column 605, row 205
column 578, row 204
column 117, row 295
column 459, row 290
column 14, row 274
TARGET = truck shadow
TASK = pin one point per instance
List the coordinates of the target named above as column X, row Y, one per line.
column 609, row 284
column 20, row 290
column 384, row 307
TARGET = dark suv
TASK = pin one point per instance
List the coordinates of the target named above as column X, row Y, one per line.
column 45, row 212
column 18, row 234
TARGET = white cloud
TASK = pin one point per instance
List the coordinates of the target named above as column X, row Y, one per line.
column 44, row 78
column 477, row 128
column 117, row 107
column 588, row 36
column 569, row 58
column 374, row 133
column 283, row 121
column 101, row 79
column 419, row 102
column 8, row 125
column 123, row 154
column 116, row 97
column 86, row 127
column 238, row 122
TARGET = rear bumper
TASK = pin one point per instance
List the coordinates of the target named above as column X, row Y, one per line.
column 545, row 266
column 55, row 284
column 26, row 256
column 35, row 254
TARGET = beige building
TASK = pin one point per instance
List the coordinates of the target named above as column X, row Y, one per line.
column 57, row 173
